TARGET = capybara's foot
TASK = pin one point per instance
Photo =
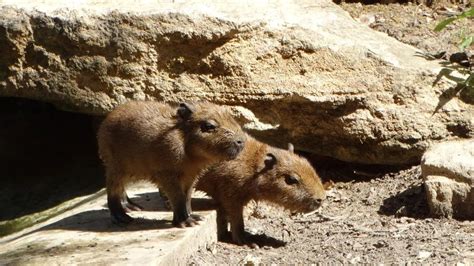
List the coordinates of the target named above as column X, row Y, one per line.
column 189, row 222
column 121, row 218
column 252, row 245
column 225, row 236
column 243, row 240
column 117, row 211
column 248, row 243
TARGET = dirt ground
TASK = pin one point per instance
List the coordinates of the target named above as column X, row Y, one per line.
column 376, row 220
column 368, row 217
column 413, row 24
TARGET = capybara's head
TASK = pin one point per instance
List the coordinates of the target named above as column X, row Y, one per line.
column 289, row 180
column 210, row 131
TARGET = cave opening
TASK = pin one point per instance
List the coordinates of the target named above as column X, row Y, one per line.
column 47, row 156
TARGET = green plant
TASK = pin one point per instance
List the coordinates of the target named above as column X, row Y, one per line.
column 466, row 41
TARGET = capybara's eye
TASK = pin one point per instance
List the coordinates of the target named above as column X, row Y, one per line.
column 291, row 180
column 207, row 126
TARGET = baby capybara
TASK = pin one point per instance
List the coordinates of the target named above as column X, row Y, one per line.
column 167, row 145
column 261, row 173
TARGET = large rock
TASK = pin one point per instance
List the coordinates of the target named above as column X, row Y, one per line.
column 301, row 71
column 448, row 173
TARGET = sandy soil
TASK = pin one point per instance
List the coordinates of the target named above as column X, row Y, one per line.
column 371, row 216
column 414, row 24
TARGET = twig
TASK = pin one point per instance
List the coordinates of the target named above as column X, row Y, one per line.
column 323, row 218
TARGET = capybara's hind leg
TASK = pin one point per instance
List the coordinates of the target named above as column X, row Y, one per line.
column 117, row 211
column 115, row 193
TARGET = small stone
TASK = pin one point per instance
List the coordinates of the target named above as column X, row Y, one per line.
column 250, row 260
column 423, row 255
column 367, row 19
column 381, row 244
column 357, row 246
column 355, row 260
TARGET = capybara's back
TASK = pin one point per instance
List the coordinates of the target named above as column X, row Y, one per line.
column 133, row 140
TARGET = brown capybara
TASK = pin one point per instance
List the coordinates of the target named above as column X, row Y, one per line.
column 166, row 145
column 260, row 173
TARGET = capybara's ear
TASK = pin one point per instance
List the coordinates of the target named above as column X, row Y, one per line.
column 185, row 110
column 270, row 160
column 291, row 148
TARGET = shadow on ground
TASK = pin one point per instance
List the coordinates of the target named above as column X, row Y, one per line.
column 262, row 240
column 153, row 201
column 100, row 221
column 409, row 203
column 339, row 171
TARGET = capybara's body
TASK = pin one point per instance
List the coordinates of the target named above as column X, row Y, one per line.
column 166, row 145
column 261, row 173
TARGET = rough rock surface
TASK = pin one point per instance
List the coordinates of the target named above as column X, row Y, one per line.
column 303, row 71
column 448, row 173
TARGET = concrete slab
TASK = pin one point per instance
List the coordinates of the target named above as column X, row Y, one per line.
column 86, row 235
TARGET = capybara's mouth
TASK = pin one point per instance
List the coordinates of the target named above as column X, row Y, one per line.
column 310, row 207
column 233, row 152
column 313, row 207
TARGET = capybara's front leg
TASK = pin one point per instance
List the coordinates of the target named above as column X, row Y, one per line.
column 222, row 224
column 189, row 188
column 237, row 229
column 178, row 200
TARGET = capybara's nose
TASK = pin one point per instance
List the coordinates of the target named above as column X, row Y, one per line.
column 317, row 202
column 240, row 143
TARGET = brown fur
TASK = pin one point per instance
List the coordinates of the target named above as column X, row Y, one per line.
column 166, row 145
column 260, row 172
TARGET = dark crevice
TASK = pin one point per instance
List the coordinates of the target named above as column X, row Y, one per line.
column 47, row 157
column 460, row 129
column 339, row 171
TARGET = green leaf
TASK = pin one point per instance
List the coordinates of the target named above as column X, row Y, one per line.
column 466, row 42
column 444, row 23
column 466, row 14
column 470, row 80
